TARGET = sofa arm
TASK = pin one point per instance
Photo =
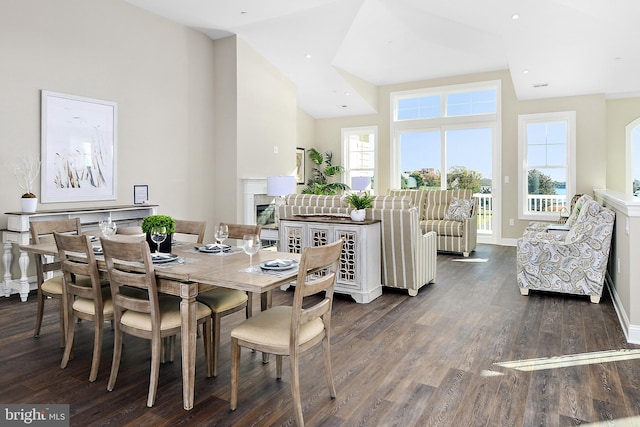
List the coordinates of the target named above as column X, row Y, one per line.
column 426, row 257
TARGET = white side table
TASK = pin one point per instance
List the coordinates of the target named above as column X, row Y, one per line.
column 359, row 274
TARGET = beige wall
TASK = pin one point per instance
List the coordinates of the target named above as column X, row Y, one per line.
column 591, row 168
column 620, row 112
column 159, row 73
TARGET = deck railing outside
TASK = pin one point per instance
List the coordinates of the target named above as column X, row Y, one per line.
column 535, row 202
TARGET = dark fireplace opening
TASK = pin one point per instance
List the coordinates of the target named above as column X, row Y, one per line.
column 266, row 214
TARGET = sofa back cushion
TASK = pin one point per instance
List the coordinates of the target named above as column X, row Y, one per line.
column 437, row 202
column 392, row 202
column 417, row 197
column 316, row 200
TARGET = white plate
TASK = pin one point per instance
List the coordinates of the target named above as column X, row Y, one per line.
column 212, row 249
column 282, row 264
column 162, row 258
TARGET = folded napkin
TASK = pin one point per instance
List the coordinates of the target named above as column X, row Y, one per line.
column 216, row 247
column 278, row 263
column 162, row 256
column 97, row 250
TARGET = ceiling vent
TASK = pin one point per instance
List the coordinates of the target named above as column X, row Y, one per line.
column 537, row 85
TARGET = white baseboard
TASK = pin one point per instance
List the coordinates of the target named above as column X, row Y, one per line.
column 631, row 332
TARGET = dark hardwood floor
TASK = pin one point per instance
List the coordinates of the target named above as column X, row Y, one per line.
column 430, row 360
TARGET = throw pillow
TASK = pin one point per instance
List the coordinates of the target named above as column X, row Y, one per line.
column 459, row 209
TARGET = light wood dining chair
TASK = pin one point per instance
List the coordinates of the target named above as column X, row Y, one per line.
column 223, row 301
column 41, row 232
column 290, row 331
column 150, row 316
column 191, row 228
column 92, row 303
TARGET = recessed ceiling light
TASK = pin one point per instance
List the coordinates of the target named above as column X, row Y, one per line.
column 344, row 106
column 525, row 72
column 308, row 56
column 347, row 93
column 515, row 16
column 243, row 13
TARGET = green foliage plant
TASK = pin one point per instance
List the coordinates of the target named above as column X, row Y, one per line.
column 322, row 175
column 152, row 221
column 360, row 202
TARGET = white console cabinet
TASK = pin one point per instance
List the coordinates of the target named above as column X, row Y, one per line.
column 17, row 233
column 359, row 274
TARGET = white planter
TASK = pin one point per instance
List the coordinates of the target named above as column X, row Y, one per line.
column 29, row 205
column 358, row 214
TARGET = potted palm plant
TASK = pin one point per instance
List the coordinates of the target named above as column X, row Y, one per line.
column 359, row 204
column 152, row 223
column 26, row 169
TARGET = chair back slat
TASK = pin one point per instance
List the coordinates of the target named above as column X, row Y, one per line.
column 42, row 232
column 129, row 265
column 192, row 228
column 76, row 260
column 317, row 258
column 237, row 231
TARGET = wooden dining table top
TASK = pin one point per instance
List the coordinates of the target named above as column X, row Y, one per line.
column 214, row 269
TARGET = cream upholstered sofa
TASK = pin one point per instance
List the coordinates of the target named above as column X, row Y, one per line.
column 456, row 233
column 408, row 256
column 574, row 262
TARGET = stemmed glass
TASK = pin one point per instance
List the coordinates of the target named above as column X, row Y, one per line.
column 222, row 233
column 108, row 227
column 250, row 245
column 158, row 235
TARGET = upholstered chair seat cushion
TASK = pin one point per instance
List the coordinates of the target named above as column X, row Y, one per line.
column 444, row 228
column 54, row 285
column 86, row 305
column 169, row 316
column 273, row 327
column 221, row 299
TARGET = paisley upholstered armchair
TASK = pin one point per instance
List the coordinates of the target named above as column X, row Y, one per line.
column 573, row 263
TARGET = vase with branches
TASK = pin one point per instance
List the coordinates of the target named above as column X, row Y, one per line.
column 322, row 175
column 26, row 169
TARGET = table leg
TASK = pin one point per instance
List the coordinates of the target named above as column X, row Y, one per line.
column 189, row 327
column 265, row 303
column 7, row 257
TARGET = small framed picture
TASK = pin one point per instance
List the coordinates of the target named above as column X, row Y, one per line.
column 140, row 194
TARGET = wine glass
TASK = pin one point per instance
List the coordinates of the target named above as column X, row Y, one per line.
column 222, row 233
column 158, row 235
column 108, row 228
column 250, row 245
column 102, row 223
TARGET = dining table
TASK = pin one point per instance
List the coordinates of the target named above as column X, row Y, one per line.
column 194, row 271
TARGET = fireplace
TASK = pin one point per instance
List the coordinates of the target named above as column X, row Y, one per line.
column 265, row 213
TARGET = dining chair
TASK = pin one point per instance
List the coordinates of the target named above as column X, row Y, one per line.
column 148, row 316
column 193, row 228
column 292, row 330
column 224, row 301
column 92, row 303
column 133, row 230
column 41, row 232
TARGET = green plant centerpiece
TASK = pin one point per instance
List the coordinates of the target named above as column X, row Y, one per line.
column 154, row 221
column 359, row 204
column 322, row 175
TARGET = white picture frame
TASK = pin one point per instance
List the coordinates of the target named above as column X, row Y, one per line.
column 78, row 148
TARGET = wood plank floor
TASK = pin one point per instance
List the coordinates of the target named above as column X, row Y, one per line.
column 430, row 360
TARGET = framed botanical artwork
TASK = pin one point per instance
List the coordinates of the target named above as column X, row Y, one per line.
column 140, row 194
column 78, row 148
column 299, row 166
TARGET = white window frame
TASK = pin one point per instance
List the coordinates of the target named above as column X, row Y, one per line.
column 523, row 189
column 345, row 134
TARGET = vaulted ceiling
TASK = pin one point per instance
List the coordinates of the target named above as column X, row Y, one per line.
column 331, row 48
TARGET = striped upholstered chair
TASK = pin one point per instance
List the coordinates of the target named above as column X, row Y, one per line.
column 408, row 254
